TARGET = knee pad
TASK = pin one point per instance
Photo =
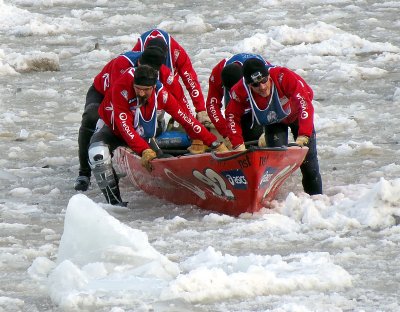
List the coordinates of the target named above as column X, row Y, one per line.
column 99, row 154
column 101, row 165
column 102, row 169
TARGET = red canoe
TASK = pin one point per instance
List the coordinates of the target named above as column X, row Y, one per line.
column 230, row 183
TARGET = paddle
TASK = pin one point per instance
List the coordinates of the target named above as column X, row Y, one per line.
column 154, row 146
column 159, row 152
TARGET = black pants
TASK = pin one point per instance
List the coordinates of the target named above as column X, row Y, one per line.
column 277, row 135
column 87, row 128
column 106, row 135
column 250, row 132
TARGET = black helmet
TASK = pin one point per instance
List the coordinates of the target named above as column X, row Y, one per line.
column 152, row 56
column 231, row 74
column 254, row 70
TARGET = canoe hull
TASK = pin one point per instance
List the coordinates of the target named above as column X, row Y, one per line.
column 246, row 182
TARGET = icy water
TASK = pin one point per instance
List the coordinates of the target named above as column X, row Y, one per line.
column 348, row 51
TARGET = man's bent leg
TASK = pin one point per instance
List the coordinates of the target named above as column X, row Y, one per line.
column 102, row 144
column 88, row 126
column 312, row 181
column 86, row 130
column 101, row 165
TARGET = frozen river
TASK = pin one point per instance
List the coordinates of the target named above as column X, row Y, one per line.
column 334, row 252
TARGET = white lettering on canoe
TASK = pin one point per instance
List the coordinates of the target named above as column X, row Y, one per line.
column 236, row 179
column 215, row 182
column 279, row 178
column 191, row 187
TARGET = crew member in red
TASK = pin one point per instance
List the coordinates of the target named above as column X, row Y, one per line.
column 154, row 55
column 129, row 117
column 223, row 76
column 180, row 64
column 278, row 99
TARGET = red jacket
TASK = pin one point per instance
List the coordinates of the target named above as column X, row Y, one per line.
column 117, row 66
column 293, row 91
column 214, row 99
column 180, row 65
column 115, row 110
column 110, row 73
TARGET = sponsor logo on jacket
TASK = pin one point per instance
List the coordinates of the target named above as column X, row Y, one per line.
column 272, row 116
column 231, row 123
column 212, row 79
column 213, row 110
column 189, row 120
column 170, row 79
column 303, row 106
column 106, row 81
column 151, row 36
column 128, row 130
column 124, row 93
column 165, row 97
column 189, row 79
column 133, row 100
column 280, row 77
column 235, row 97
column 176, row 54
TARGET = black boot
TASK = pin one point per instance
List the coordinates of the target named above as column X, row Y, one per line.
column 83, row 180
column 82, row 183
column 86, row 130
column 113, row 196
